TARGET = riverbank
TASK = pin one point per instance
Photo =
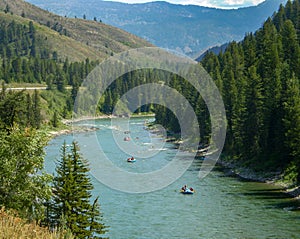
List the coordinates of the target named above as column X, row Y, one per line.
column 71, row 130
column 232, row 168
column 275, row 177
column 68, row 126
column 76, row 120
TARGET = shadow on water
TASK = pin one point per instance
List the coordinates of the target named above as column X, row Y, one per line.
column 275, row 193
column 291, row 205
column 275, row 197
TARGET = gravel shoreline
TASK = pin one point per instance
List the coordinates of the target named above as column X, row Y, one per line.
column 71, row 129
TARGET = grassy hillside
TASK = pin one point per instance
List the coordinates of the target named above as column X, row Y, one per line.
column 76, row 39
column 52, row 40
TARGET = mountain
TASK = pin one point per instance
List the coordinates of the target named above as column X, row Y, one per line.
column 216, row 50
column 76, row 39
column 186, row 28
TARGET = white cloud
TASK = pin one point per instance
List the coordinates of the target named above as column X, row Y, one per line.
column 206, row 3
column 234, row 2
column 240, row 2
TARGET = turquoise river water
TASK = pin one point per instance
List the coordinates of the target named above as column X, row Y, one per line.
column 221, row 207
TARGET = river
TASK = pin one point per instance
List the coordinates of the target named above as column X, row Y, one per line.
column 221, row 207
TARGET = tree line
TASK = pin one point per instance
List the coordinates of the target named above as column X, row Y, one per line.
column 258, row 79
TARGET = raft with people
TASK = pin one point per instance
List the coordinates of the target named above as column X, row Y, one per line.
column 131, row 160
column 187, row 190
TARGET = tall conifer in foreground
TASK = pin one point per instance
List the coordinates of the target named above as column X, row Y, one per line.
column 72, row 205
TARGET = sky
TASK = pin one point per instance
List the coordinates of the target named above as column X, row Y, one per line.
column 226, row 4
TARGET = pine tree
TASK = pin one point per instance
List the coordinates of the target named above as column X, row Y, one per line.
column 230, row 96
column 29, row 111
column 253, row 120
column 96, row 217
column 12, row 109
column 36, row 107
column 55, row 120
column 279, row 18
column 7, row 8
column 291, row 120
column 72, row 196
column 291, row 47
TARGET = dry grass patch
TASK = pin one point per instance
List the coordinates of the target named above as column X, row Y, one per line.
column 11, row 226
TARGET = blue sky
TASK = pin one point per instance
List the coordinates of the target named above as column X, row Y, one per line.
column 206, row 3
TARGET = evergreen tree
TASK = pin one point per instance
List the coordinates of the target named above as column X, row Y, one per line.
column 72, row 195
column 7, row 8
column 55, row 119
column 253, row 118
column 291, row 121
column 12, row 109
column 29, row 111
column 291, row 49
column 279, row 18
column 230, row 96
column 36, row 108
column 95, row 227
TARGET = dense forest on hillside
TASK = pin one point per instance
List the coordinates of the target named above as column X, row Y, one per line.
column 26, row 59
column 259, row 81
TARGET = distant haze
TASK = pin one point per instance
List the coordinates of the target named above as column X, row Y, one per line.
column 225, row 4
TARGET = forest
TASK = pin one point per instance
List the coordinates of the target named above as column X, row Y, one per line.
column 257, row 77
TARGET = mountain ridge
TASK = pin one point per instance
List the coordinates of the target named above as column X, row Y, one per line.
column 187, row 28
column 92, row 39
